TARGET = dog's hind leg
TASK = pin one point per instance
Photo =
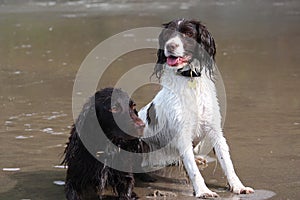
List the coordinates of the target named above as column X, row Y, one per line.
column 222, row 151
column 196, row 178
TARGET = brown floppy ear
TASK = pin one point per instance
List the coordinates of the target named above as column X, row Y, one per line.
column 161, row 58
column 205, row 39
column 206, row 42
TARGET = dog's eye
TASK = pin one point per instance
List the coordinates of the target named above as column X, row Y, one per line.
column 115, row 108
column 188, row 34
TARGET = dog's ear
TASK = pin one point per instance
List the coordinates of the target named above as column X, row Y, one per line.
column 205, row 39
column 161, row 58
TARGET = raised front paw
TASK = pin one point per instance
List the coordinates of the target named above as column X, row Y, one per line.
column 241, row 190
column 207, row 194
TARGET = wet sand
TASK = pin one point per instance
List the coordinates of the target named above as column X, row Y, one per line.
column 42, row 46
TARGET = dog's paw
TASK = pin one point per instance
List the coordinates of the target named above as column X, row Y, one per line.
column 200, row 161
column 242, row 190
column 206, row 195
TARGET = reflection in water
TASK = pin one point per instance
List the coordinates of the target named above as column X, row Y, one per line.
column 44, row 42
column 258, row 195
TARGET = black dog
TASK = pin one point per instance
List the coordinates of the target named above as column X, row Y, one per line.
column 115, row 112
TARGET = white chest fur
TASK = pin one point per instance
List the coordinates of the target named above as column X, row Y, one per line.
column 184, row 115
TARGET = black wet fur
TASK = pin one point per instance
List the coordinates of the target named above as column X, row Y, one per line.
column 86, row 176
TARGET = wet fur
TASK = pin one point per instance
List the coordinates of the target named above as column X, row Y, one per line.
column 86, row 176
column 202, row 36
column 181, row 117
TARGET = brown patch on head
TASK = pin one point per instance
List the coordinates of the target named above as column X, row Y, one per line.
column 192, row 29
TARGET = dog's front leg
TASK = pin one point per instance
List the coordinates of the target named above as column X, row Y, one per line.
column 196, row 178
column 222, row 152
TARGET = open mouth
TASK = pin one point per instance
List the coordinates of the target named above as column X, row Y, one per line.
column 177, row 60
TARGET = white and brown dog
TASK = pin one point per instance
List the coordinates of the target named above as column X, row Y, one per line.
column 186, row 112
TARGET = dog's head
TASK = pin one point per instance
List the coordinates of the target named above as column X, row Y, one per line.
column 117, row 115
column 183, row 41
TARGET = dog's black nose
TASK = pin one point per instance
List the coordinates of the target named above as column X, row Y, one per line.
column 172, row 46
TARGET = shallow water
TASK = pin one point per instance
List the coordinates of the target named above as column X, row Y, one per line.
column 42, row 45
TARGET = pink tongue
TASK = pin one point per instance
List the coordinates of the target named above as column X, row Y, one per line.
column 173, row 61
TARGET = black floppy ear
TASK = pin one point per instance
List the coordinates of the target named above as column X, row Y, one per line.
column 205, row 39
